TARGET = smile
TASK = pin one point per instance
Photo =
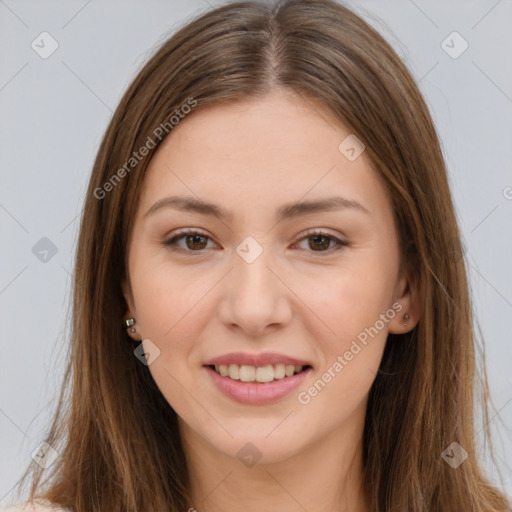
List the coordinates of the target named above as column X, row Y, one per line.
column 271, row 387
column 261, row 374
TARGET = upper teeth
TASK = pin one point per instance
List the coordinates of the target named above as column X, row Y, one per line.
column 267, row 373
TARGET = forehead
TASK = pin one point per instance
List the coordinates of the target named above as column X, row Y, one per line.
column 254, row 154
column 289, row 125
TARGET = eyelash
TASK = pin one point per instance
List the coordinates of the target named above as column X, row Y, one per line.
column 315, row 232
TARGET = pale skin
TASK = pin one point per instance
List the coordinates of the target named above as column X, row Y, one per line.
column 301, row 297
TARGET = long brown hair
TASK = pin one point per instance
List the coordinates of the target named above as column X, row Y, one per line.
column 118, row 438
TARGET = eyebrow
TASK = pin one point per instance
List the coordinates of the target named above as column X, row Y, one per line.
column 192, row 204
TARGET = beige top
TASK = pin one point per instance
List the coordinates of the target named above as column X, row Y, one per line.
column 45, row 506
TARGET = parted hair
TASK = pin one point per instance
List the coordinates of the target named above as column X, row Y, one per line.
column 117, row 437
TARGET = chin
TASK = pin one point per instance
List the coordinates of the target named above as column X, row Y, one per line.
column 267, row 442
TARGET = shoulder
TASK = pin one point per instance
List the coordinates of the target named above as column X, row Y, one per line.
column 40, row 506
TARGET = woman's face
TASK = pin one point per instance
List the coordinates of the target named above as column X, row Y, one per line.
column 267, row 283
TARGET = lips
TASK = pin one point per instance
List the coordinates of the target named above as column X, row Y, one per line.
column 257, row 379
column 264, row 359
column 262, row 374
column 256, row 393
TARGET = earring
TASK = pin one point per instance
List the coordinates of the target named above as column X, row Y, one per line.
column 128, row 323
column 405, row 319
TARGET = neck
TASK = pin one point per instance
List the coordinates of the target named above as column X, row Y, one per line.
column 326, row 476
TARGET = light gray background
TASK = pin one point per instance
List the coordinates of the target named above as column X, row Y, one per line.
column 53, row 114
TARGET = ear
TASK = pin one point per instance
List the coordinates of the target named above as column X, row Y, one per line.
column 406, row 293
column 132, row 331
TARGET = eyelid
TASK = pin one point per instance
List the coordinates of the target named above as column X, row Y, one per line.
column 319, row 231
column 189, row 231
column 340, row 243
column 171, row 241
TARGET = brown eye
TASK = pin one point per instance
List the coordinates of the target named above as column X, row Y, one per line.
column 319, row 241
column 194, row 241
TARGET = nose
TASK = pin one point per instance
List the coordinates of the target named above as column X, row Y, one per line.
column 256, row 299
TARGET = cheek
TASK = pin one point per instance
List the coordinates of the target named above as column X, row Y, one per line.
column 335, row 304
column 173, row 309
column 170, row 302
column 357, row 308
column 351, row 301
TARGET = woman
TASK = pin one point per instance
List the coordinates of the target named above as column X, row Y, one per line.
column 269, row 220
